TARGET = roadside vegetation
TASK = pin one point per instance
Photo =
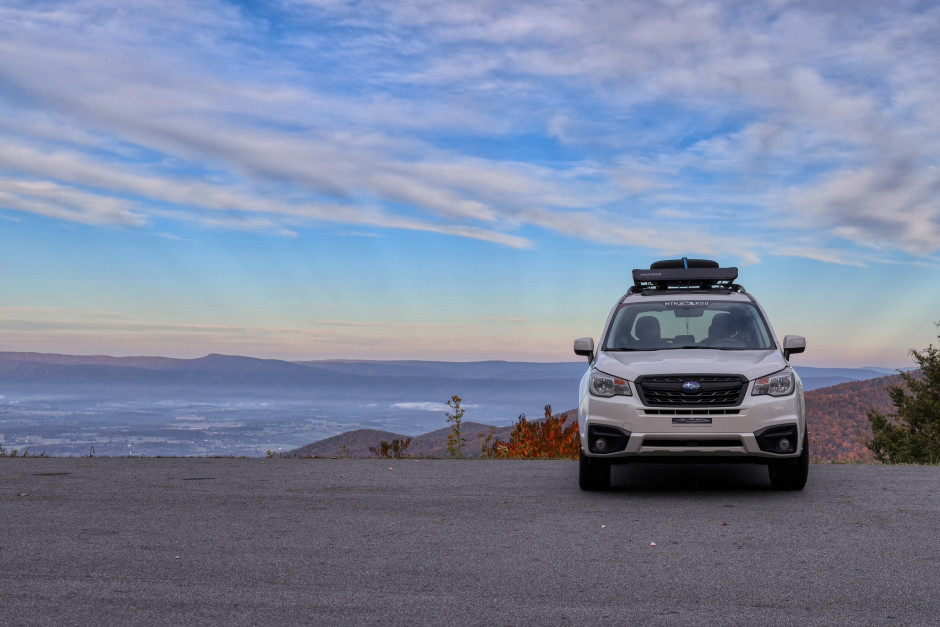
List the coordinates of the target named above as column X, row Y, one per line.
column 549, row 438
column 553, row 437
column 18, row 453
column 455, row 439
column 911, row 435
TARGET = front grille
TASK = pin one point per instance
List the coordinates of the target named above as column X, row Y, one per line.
column 678, row 390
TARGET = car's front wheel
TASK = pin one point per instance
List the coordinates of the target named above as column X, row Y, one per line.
column 593, row 473
column 791, row 474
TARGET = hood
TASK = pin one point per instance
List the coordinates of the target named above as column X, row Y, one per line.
column 632, row 364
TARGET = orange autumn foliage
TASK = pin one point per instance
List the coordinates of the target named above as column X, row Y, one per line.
column 550, row 438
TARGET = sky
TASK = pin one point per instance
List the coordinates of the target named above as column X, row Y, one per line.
column 461, row 181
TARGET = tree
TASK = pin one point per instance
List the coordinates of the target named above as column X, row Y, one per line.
column 912, row 434
column 454, row 441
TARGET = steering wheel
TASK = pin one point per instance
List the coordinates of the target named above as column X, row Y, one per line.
column 727, row 342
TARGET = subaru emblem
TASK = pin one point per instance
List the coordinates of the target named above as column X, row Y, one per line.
column 691, row 386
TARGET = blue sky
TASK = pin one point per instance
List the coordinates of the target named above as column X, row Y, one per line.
column 460, row 181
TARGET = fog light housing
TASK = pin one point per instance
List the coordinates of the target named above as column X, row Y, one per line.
column 780, row 439
column 603, row 439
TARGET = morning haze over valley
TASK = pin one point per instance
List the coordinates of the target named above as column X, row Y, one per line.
column 221, row 405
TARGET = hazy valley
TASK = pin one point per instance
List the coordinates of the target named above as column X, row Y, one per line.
column 227, row 405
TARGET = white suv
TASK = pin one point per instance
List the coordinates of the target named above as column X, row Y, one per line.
column 689, row 370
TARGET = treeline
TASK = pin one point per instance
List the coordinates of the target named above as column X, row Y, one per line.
column 838, row 418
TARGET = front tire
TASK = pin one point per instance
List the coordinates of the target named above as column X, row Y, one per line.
column 593, row 473
column 791, row 474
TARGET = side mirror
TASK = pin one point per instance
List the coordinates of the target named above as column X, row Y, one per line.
column 584, row 347
column 793, row 344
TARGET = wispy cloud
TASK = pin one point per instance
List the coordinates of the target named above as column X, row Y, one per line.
column 342, row 113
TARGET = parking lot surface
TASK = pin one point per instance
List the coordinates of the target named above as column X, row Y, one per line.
column 469, row 542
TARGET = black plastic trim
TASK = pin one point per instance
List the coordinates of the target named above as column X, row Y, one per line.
column 768, row 437
column 617, row 437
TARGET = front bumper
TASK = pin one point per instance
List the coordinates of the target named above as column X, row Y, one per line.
column 762, row 428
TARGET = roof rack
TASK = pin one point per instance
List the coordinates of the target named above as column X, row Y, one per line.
column 685, row 273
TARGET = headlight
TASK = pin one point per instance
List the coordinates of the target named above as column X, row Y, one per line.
column 607, row 386
column 780, row 384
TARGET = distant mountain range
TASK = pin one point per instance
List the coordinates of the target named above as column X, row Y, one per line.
column 494, row 389
column 236, row 372
column 223, row 404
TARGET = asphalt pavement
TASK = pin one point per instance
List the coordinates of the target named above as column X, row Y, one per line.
column 461, row 542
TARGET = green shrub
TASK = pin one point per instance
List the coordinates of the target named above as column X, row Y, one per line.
column 912, row 434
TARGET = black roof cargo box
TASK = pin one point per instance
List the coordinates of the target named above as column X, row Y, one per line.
column 685, row 274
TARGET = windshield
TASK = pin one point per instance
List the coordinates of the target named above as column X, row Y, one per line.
column 679, row 324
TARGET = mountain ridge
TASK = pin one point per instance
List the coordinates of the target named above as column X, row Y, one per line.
column 229, row 404
column 19, row 365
